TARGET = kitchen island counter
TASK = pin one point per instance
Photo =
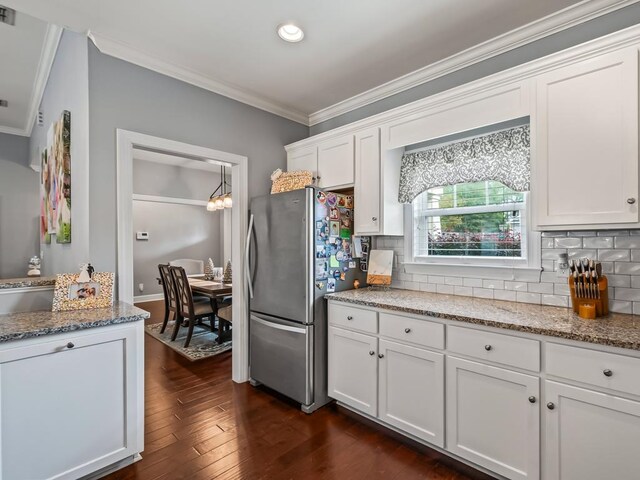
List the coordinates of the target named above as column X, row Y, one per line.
column 18, row 326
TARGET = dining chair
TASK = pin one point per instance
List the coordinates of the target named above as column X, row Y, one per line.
column 192, row 267
column 170, row 296
column 188, row 309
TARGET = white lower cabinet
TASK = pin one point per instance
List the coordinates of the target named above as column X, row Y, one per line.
column 493, row 418
column 353, row 369
column 411, row 390
column 493, row 412
column 590, row 435
column 71, row 405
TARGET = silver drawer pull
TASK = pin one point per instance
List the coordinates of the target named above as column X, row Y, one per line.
column 488, row 347
column 70, row 345
column 381, row 355
column 349, row 317
column 631, row 201
column 371, row 352
column 407, row 330
column 607, row 372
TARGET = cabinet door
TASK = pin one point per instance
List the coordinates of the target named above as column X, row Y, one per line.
column 493, row 418
column 68, row 407
column 367, row 188
column 303, row 159
column 411, row 390
column 586, row 142
column 335, row 162
column 353, row 369
column 590, row 435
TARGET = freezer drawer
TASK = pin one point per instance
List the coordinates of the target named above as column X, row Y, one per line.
column 280, row 356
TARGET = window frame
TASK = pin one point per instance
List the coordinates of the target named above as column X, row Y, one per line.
column 525, row 268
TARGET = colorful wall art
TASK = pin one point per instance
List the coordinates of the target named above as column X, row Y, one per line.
column 55, row 182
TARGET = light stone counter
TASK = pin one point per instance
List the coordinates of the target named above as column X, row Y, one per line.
column 616, row 330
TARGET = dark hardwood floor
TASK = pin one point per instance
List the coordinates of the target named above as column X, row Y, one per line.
column 200, row 425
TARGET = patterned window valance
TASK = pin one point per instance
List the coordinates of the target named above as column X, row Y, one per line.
column 502, row 156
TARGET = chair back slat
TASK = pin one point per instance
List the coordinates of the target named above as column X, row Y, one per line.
column 168, row 287
column 183, row 292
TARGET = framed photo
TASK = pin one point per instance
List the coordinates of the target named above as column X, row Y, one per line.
column 72, row 294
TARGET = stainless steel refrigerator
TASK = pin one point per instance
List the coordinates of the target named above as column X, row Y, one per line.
column 299, row 247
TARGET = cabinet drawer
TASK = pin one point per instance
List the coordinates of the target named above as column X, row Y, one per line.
column 495, row 347
column 606, row 370
column 412, row 330
column 353, row 318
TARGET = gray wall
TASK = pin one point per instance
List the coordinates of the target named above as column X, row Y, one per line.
column 19, row 207
column 122, row 95
column 598, row 27
column 68, row 89
column 175, row 231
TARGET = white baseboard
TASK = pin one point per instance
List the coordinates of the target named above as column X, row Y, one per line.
column 148, row 298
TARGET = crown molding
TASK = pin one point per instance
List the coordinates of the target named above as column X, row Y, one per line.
column 626, row 38
column 556, row 22
column 47, row 56
column 14, row 131
column 125, row 52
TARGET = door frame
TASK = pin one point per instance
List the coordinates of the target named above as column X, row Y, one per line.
column 126, row 142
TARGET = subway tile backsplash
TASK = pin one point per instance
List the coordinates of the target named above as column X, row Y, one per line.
column 618, row 250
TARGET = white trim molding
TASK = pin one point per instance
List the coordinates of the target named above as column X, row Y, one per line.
column 47, row 56
column 554, row 23
column 522, row 74
column 128, row 53
column 126, row 142
column 148, row 298
column 174, row 200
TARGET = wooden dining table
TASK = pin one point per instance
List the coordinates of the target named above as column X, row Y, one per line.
column 214, row 290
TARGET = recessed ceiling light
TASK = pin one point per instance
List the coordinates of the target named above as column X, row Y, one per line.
column 290, row 32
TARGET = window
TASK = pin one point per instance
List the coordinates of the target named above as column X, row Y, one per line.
column 480, row 223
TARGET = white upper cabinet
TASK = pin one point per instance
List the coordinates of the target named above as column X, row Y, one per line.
column 305, row 158
column 376, row 208
column 585, row 143
column 367, row 187
column 335, row 162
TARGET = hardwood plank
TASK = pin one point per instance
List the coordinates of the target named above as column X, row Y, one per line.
column 200, row 425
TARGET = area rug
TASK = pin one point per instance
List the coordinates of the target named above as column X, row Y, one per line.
column 203, row 342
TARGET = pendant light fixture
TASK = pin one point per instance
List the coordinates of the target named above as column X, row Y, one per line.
column 223, row 199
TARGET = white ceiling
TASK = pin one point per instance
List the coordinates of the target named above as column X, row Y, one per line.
column 350, row 46
column 22, row 46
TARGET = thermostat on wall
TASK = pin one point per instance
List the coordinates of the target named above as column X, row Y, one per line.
column 142, row 235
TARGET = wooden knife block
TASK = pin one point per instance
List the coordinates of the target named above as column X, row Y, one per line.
column 601, row 304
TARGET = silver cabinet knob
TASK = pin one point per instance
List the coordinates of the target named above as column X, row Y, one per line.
column 375, row 219
column 371, row 352
column 631, row 201
column 70, row 345
column 607, row 372
column 381, row 355
column 532, row 399
column 349, row 317
column 551, row 405
column 488, row 347
column 407, row 330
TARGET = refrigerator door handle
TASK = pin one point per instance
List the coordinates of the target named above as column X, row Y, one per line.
column 279, row 326
column 247, row 267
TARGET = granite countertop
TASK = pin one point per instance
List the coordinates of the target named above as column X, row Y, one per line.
column 6, row 283
column 616, row 329
column 18, row 326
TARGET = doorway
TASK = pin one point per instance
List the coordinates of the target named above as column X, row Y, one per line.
column 127, row 142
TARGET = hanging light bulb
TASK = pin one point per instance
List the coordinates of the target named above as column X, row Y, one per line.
column 211, row 205
column 219, row 202
column 228, row 202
